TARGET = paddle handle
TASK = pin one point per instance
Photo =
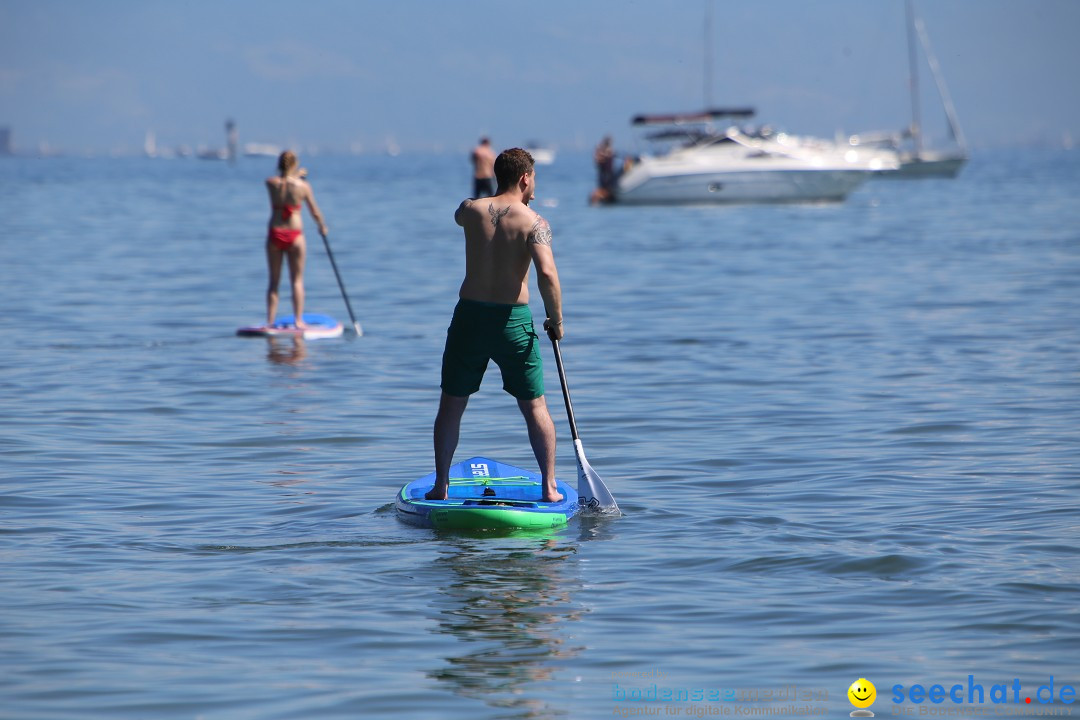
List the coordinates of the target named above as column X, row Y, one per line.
column 565, row 387
column 344, row 295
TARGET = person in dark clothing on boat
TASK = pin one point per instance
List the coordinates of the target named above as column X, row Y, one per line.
column 604, row 157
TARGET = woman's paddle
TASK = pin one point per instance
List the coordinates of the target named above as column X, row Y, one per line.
column 592, row 492
column 356, row 325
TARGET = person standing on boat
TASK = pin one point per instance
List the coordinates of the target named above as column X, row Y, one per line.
column 492, row 320
column 285, row 237
column 604, row 157
column 483, row 160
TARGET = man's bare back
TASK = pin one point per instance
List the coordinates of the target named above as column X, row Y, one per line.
column 483, row 161
column 499, row 233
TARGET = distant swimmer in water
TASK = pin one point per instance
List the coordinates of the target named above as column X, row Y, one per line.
column 285, row 238
column 492, row 320
column 483, row 160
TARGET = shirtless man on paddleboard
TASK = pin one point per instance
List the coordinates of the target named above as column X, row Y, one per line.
column 483, row 160
column 492, row 320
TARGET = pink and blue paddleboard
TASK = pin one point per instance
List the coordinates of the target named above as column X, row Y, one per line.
column 318, row 327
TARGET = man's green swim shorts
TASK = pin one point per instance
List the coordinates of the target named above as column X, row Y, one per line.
column 482, row 331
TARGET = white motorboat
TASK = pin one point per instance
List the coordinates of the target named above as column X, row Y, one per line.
column 737, row 166
column 542, row 155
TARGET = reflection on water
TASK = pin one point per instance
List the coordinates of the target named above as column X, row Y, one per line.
column 509, row 602
column 285, row 351
column 849, row 451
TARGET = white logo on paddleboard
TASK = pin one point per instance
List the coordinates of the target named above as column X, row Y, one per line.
column 480, row 470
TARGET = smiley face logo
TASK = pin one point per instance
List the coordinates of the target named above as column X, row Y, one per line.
column 862, row 693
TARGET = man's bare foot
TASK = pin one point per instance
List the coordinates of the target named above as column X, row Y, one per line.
column 437, row 492
column 551, row 495
column 300, row 324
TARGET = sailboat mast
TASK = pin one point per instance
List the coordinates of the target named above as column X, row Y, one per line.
column 707, row 75
column 916, row 128
column 943, row 90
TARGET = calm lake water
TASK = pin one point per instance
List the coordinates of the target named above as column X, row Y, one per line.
column 844, row 437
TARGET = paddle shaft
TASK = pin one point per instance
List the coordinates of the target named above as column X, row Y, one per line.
column 333, row 264
column 565, row 387
column 591, row 488
column 348, row 305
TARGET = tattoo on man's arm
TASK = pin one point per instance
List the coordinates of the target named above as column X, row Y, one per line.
column 497, row 215
column 540, row 234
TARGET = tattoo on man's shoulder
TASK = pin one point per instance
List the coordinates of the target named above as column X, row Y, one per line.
column 540, row 234
column 497, row 215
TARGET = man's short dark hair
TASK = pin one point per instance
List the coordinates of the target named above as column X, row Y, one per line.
column 511, row 165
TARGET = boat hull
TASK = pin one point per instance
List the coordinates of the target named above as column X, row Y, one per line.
column 771, row 186
column 924, row 166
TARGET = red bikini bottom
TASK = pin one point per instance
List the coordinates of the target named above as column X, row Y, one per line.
column 283, row 238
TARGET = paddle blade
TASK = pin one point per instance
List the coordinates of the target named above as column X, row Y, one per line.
column 358, row 329
column 593, row 494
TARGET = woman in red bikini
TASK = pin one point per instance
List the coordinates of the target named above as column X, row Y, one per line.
column 288, row 190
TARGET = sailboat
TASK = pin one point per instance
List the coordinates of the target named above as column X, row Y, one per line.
column 917, row 161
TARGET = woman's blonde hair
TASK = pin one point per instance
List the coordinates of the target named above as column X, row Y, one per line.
column 287, row 162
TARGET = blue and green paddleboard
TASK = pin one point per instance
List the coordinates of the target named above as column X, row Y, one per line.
column 486, row 495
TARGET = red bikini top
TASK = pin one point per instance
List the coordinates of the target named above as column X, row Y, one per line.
column 286, row 210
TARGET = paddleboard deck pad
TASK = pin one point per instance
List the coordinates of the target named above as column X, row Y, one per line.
column 486, row 495
column 318, row 327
